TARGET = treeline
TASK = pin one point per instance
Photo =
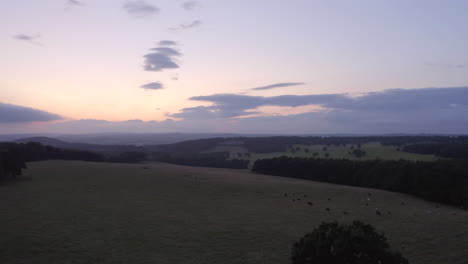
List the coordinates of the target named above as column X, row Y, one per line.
column 441, row 149
column 212, row 160
column 34, row 151
column 13, row 156
column 444, row 181
column 281, row 143
column 12, row 161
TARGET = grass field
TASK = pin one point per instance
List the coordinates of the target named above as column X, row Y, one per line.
column 374, row 150
column 78, row 212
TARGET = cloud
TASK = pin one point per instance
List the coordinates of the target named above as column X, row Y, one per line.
column 19, row 114
column 28, row 38
column 446, row 65
column 74, row 3
column 187, row 26
column 276, row 85
column 190, row 5
column 162, row 59
column 427, row 110
column 153, row 86
column 167, row 43
column 140, row 9
column 167, row 51
column 234, row 105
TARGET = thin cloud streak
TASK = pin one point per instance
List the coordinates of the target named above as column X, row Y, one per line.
column 75, row 3
column 28, row 38
column 446, row 65
column 276, row 85
column 167, row 43
column 187, row 26
column 153, row 86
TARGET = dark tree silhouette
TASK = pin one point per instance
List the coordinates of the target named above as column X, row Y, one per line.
column 443, row 181
column 358, row 153
column 331, row 243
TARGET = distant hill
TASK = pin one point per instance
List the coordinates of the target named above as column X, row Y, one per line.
column 55, row 143
column 114, row 149
column 146, row 138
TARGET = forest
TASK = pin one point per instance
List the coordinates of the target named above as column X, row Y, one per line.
column 13, row 156
column 281, row 143
column 444, row 181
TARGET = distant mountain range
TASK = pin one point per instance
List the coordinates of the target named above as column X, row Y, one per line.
column 82, row 141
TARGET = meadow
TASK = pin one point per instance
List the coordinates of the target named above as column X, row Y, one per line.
column 82, row 212
column 374, row 150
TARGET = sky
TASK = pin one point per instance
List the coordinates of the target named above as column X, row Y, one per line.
column 237, row 66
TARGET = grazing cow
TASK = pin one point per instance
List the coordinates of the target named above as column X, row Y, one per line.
column 367, row 204
column 310, row 203
column 345, row 213
column 285, row 195
column 329, row 199
column 377, row 211
column 327, row 209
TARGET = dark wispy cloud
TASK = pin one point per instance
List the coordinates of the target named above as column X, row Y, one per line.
column 167, row 43
column 19, row 114
column 429, row 110
column 162, row 58
column 276, row 85
column 140, row 9
column 190, row 5
column 32, row 39
column 446, row 65
column 187, row 26
column 75, row 3
column 234, row 105
column 153, row 86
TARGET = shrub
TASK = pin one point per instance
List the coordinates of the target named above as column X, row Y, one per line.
column 331, row 243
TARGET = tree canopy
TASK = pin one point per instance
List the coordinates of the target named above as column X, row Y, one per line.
column 357, row 243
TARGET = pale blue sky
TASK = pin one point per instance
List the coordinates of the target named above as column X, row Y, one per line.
column 86, row 61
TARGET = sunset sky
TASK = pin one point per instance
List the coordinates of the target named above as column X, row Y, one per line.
column 244, row 66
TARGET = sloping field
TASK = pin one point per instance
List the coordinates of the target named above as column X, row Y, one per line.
column 374, row 150
column 78, row 212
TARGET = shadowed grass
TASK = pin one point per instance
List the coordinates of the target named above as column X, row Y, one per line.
column 78, row 212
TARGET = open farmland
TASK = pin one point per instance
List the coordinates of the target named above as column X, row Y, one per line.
column 79, row 212
column 374, row 150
